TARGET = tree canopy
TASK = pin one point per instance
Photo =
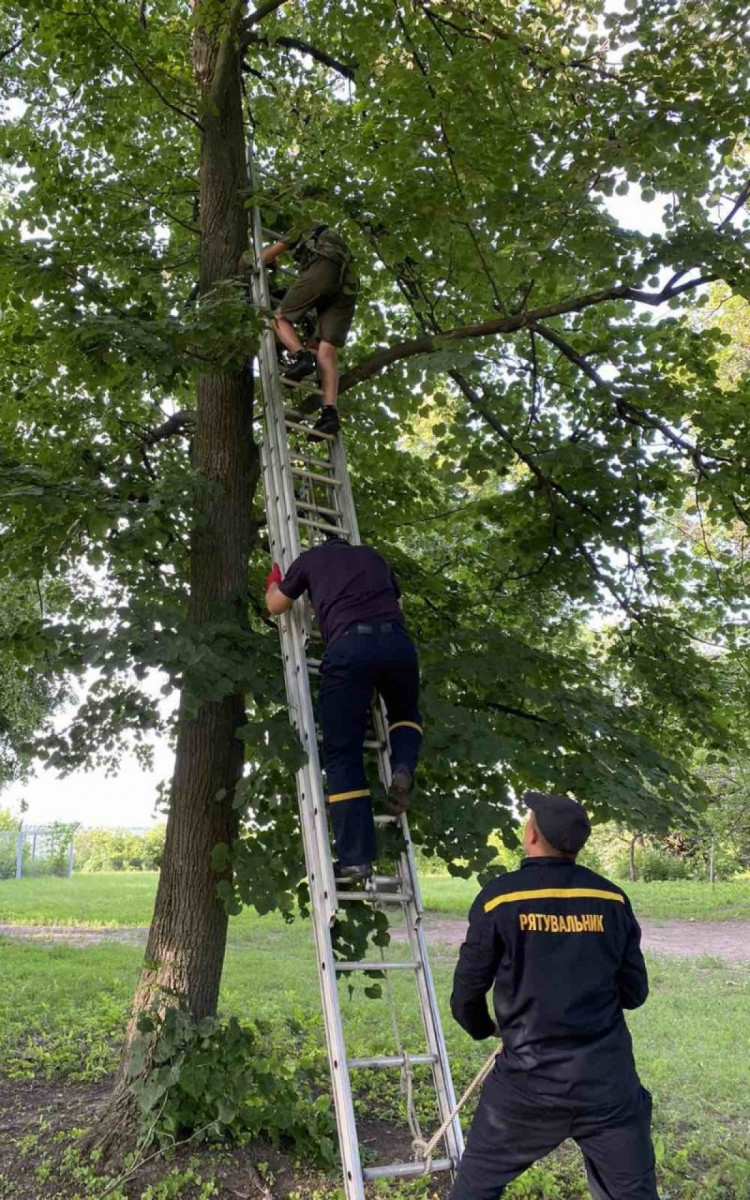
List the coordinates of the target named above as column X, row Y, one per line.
column 539, row 434
column 29, row 693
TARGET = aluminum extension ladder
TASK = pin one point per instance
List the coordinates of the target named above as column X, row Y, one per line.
column 296, row 474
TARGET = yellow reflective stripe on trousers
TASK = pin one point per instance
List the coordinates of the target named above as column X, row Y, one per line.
column 406, row 725
column 348, row 795
column 553, row 894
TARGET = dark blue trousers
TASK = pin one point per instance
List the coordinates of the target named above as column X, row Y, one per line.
column 510, row 1132
column 354, row 666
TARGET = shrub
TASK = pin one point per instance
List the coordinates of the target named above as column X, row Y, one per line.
column 7, row 855
column 655, row 865
column 228, row 1079
column 118, row 849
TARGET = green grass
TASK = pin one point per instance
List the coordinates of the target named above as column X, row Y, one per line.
column 686, row 898
column 63, row 1010
column 121, row 899
column 107, row 899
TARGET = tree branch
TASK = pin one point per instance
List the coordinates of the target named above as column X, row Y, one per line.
column 178, row 423
column 248, row 37
column 11, row 49
column 263, row 10
column 129, row 54
column 738, row 204
column 546, row 481
column 429, row 343
column 517, row 712
column 625, row 408
column 551, row 487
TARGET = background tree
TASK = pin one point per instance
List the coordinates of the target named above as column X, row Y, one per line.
column 579, row 435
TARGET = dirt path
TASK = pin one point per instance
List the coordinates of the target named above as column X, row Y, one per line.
column 729, row 940
column 76, row 935
column 676, row 938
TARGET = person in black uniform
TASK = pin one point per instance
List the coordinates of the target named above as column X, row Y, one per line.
column 560, row 947
column 355, row 597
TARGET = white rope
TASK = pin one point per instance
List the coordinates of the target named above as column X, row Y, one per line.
column 407, row 1073
column 426, row 1150
column 422, row 1149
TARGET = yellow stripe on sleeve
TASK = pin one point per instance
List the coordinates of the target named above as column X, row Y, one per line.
column 406, row 725
column 553, row 894
column 348, row 795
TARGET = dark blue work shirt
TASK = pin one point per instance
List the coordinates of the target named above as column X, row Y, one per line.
column 346, row 584
column 560, row 947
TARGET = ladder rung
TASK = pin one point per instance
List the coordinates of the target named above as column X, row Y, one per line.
column 396, row 1060
column 406, row 1170
column 368, row 744
column 380, row 897
column 319, row 508
column 386, row 819
column 368, row 965
column 326, row 526
column 328, row 437
column 298, row 385
column 393, row 880
column 311, row 459
column 329, row 479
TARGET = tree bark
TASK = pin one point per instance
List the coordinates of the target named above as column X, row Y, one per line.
column 631, row 860
column 185, row 951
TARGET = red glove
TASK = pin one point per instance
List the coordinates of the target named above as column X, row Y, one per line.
column 274, row 577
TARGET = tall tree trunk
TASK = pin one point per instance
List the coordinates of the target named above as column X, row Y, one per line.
column 187, row 940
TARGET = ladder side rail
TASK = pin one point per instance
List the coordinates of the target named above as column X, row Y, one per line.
column 441, row 1072
column 285, row 546
column 283, row 526
column 281, row 506
column 336, row 1046
column 346, row 497
column 283, row 518
column 309, row 781
column 428, row 1006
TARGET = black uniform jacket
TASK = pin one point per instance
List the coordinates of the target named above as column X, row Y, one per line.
column 561, row 946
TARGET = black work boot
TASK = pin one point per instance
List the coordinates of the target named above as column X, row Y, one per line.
column 400, row 791
column 353, row 873
column 327, row 422
column 304, row 363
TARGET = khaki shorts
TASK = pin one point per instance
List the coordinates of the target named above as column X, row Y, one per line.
column 321, row 287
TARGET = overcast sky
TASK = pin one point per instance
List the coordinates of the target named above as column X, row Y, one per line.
column 93, row 798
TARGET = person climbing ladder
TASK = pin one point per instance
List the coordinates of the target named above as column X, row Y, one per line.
column 328, row 283
column 356, row 602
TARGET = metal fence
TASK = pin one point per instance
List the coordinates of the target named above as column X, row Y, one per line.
column 37, row 850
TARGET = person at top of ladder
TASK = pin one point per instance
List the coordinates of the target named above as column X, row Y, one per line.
column 328, row 283
column 560, row 947
column 356, row 600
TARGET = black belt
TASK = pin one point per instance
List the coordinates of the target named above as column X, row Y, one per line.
column 385, row 627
